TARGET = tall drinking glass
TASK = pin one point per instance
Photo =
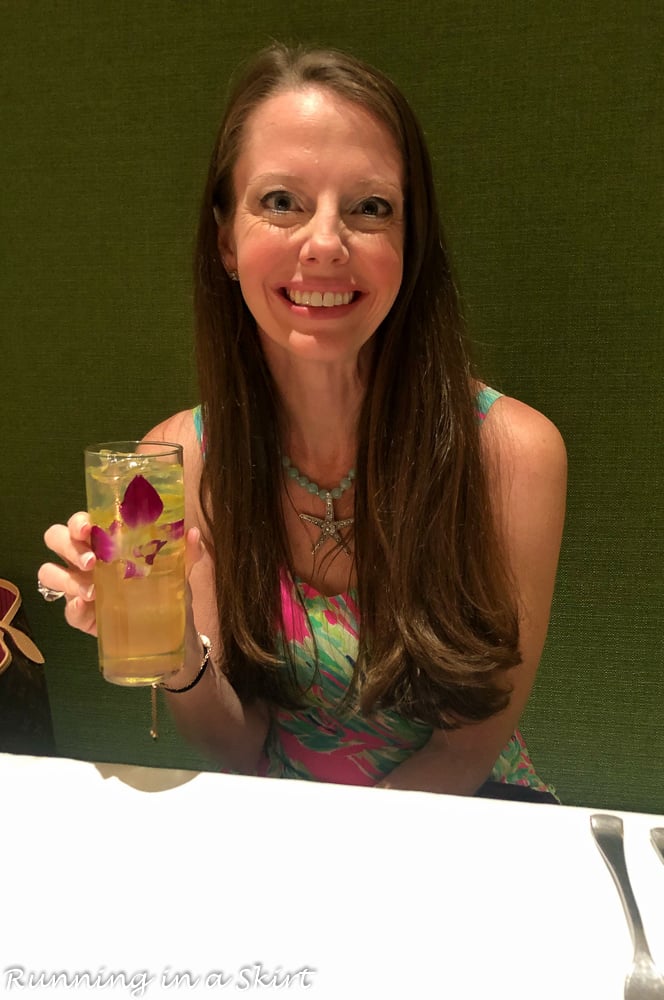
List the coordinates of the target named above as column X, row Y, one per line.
column 135, row 493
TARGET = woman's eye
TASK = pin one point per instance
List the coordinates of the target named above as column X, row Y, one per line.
column 279, row 202
column 375, row 208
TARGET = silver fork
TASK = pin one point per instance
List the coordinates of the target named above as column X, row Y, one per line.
column 643, row 982
column 657, row 840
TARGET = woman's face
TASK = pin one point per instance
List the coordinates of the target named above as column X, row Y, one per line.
column 317, row 235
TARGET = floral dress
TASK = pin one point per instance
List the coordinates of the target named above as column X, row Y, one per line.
column 320, row 742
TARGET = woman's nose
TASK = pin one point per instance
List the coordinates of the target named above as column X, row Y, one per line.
column 325, row 241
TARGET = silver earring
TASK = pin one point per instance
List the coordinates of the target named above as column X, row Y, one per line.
column 233, row 275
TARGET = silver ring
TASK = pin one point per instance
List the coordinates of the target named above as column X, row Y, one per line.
column 48, row 593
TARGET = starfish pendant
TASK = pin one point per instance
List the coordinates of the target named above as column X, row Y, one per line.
column 329, row 528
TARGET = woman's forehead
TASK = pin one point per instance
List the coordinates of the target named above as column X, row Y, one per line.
column 319, row 121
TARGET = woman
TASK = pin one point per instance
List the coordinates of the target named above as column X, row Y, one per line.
column 372, row 533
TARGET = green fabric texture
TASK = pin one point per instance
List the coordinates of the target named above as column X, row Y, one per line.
column 545, row 123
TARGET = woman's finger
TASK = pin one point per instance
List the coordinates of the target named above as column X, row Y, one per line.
column 71, row 582
column 70, row 544
column 193, row 549
column 79, row 526
column 81, row 614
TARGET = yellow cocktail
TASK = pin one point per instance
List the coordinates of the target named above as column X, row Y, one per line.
column 135, row 494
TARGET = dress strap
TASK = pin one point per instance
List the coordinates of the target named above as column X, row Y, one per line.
column 197, row 414
column 484, row 400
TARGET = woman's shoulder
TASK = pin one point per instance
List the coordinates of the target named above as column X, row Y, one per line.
column 522, row 437
column 179, row 428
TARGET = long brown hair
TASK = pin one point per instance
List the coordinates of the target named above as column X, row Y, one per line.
column 438, row 613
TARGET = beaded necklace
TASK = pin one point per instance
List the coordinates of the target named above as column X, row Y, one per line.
column 329, row 526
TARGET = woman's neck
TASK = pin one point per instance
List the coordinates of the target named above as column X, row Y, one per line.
column 321, row 405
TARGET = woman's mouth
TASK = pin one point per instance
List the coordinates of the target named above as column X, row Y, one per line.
column 319, row 299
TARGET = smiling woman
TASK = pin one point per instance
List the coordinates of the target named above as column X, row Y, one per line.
column 316, row 235
column 372, row 533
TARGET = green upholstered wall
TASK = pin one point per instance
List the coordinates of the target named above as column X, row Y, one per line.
column 545, row 121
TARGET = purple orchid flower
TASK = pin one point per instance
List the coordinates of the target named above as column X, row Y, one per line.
column 141, row 505
column 149, row 550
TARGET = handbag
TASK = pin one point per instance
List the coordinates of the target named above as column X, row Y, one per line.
column 26, row 725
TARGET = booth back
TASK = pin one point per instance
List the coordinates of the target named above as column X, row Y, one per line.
column 545, row 124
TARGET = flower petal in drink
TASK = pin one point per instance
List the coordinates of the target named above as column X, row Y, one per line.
column 141, row 503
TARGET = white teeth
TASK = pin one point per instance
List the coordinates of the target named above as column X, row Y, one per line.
column 325, row 299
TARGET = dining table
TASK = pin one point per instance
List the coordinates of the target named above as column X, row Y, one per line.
column 132, row 881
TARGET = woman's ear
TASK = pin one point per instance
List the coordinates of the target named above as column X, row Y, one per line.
column 225, row 244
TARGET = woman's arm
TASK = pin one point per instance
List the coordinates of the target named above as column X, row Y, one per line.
column 210, row 715
column 528, row 471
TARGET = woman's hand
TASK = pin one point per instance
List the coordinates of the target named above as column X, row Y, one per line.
column 71, row 542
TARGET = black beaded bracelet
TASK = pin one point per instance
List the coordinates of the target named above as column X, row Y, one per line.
column 207, row 647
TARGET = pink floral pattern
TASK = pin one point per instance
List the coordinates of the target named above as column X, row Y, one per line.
column 322, row 742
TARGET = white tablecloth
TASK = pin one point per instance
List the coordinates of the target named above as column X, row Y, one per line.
column 116, row 879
